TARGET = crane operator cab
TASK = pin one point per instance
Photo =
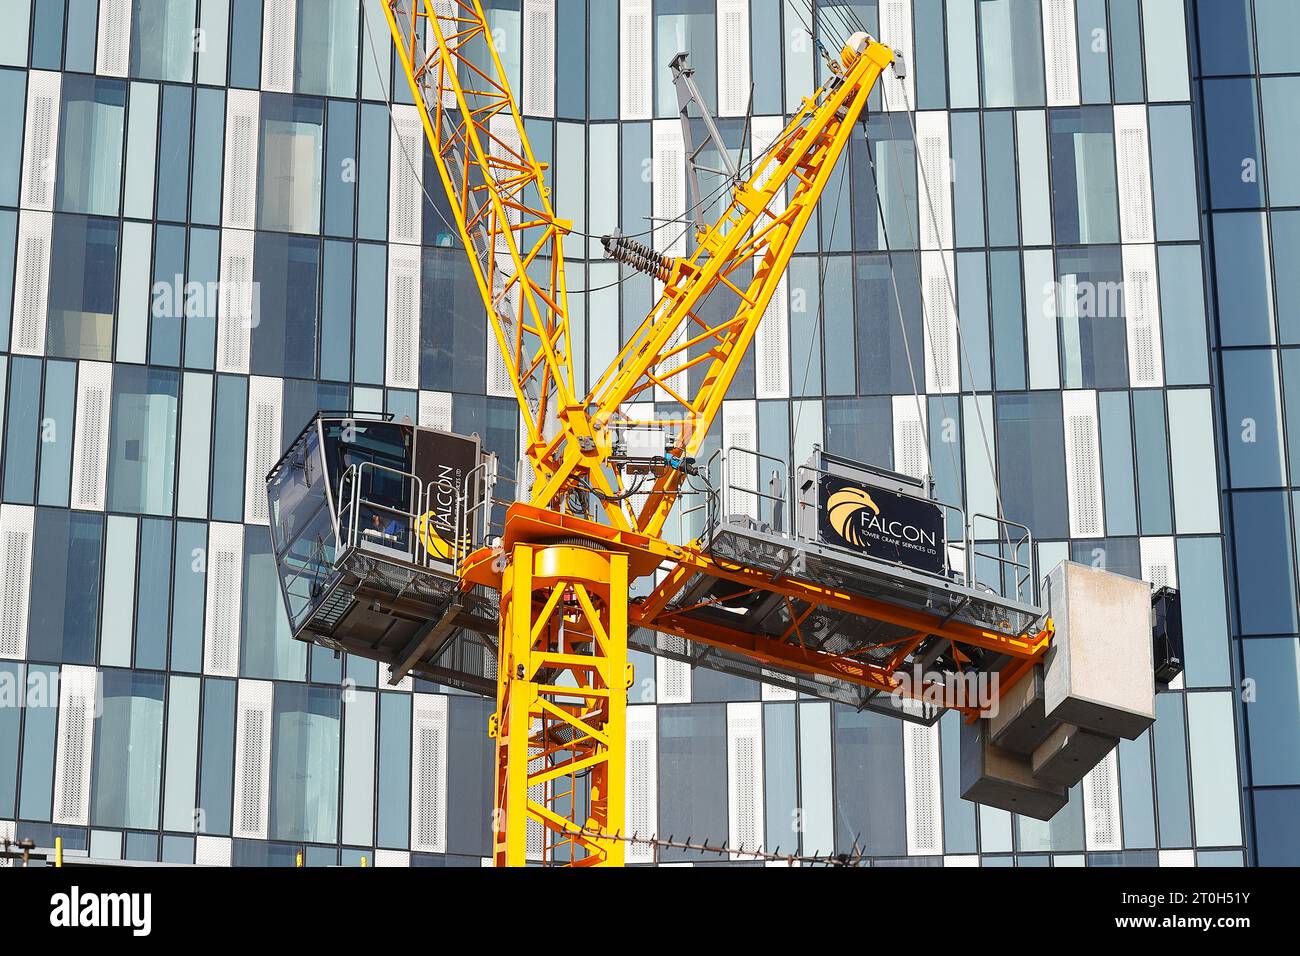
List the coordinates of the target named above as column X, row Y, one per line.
column 370, row 518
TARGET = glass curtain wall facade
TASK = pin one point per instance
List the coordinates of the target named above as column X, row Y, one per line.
column 1056, row 162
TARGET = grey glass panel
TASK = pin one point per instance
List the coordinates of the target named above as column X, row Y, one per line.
column 174, row 153
column 471, row 760
column 40, row 730
column 13, row 98
column 1277, row 22
column 368, row 335
column 1226, row 37
column 780, row 776
column 602, row 54
column 305, row 763
column 1126, row 50
column 958, row 814
column 127, row 775
column 153, row 593
column 162, row 39
column 1084, row 194
column 1136, row 792
column 1173, row 167
column 453, row 332
column 1029, row 427
column 1262, row 542
column 245, row 43
column 169, row 286
column 1277, row 839
column 1091, row 305
column 685, row 26
column 327, row 46
column 207, row 159
column 968, row 178
column 340, row 175
column 47, row 35
column 57, row 426
column 1253, row 418
column 885, row 338
column 13, row 690
column 216, row 773
column 1008, row 320
column 571, row 71
column 394, row 786
column 336, row 311
column 1205, row 622
column 1272, row 709
column 372, row 172
column 142, row 443
column 286, row 276
column 1064, row 832
column 83, row 288
column 692, row 774
column 90, row 145
column 1011, row 35
column 268, row 650
column 1151, row 439
column 22, row 429
column 201, row 310
column 188, row 589
column 862, row 429
column 1000, row 178
column 1117, row 462
column 1286, row 248
column 870, row 802
column 289, row 163
column 1094, row 51
column 66, row 563
column 1233, row 154
column 1171, row 772
column 1182, row 315
column 973, row 316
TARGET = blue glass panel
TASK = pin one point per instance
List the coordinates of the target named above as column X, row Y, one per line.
column 216, row 772
column 1233, row 155
column 1262, row 542
column 67, row 558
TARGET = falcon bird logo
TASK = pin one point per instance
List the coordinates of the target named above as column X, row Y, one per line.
column 845, row 505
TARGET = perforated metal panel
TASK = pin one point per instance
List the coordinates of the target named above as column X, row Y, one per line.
column 435, row 410
column 429, row 773
column 672, row 677
column 740, row 431
column 539, row 58
column 909, row 436
column 534, row 832
column 32, row 282
column 1133, row 174
column 1142, row 317
column 896, row 32
column 235, row 315
column 733, row 57
column 942, row 350
column 113, row 39
column 41, row 139
column 239, row 175
column 745, row 776
column 1177, row 858
column 90, row 441
column 265, row 400
column 1158, row 564
column 499, row 382
column 1082, row 463
column 402, row 343
column 772, row 347
column 642, row 808
column 279, row 25
column 407, row 683
column 922, row 779
column 212, row 850
column 668, row 194
column 1101, row 817
column 8, row 831
column 252, row 760
column 508, row 146
column 72, row 759
column 224, row 563
column 405, row 175
column 1061, row 53
column 635, row 86
column 392, row 858
column 16, row 522
column 934, row 153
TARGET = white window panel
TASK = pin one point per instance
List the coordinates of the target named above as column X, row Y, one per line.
column 195, row 454
column 90, row 441
column 635, row 89
column 921, row 779
column 265, row 400
column 672, row 677
column 733, row 57
column 816, row 783
column 252, row 760
column 771, row 692
column 1082, row 463
column 239, row 176
column 279, row 26
column 1041, row 319
column 32, row 282
column 1133, row 174
column 41, row 139
column 446, row 13
column 942, row 349
column 765, row 130
column 214, row 21
column 1101, row 818
column 539, row 58
column 909, row 436
column 1142, row 317
column 962, row 860
column 506, row 145
column 113, row 43
column 745, row 776
column 392, row 858
column 1158, row 565
column 1177, row 858
column 435, row 409
column 642, row 787
column 407, row 683
column 1061, row 53
column 896, row 32
column 16, row 523
column 500, row 383
column 772, row 346
column 934, row 152
column 212, row 850
column 235, row 305
column 402, row 342
column 222, row 612
column 740, row 440
column 78, row 688
column 8, row 831
column 135, row 298
column 668, row 186
column 405, row 176
column 429, row 773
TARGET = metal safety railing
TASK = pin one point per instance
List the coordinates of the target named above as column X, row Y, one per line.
column 1024, row 579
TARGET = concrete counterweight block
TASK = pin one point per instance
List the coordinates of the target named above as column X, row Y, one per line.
column 1098, row 673
column 1020, row 722
column 999, row 778
column 1066, row 756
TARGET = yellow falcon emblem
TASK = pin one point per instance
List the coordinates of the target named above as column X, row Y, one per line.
column 843, row 506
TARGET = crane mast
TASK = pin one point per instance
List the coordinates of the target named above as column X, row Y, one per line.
column 562, row 669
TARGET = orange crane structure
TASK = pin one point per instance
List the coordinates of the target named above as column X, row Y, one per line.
column 549, row 595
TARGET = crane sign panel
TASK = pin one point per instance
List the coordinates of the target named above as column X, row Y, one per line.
column 880, row 523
